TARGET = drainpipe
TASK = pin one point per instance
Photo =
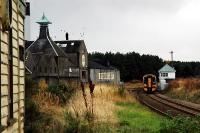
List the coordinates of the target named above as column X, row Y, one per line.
column 0, row 76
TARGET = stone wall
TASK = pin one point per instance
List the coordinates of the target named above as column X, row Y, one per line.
column 12, row 73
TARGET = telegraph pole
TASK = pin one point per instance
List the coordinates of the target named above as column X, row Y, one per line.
column 171, row 52
column 172, row 57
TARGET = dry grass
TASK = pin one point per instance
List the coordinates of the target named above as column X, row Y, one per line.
column 48, row 106
column 135, row 84
column 188, row 85
column 105, row 97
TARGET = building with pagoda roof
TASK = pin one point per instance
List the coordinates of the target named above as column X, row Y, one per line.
column 55, row 61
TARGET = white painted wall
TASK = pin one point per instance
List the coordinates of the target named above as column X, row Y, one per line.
column 170, row 76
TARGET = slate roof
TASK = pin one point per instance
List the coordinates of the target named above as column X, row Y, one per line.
column 72, row 46
column 167, row 68
column 44, row 44
column 28, row 43
column 97, row 65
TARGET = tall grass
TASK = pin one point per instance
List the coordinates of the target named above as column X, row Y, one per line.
column 91, row 110
column 104, row 98
column 186, row 89
column 189, row 84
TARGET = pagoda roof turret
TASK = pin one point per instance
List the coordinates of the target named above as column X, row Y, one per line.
column 43, row 20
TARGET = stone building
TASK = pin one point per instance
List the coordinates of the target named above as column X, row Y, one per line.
column 55, row 61
column 12, row 65
column 76, row 52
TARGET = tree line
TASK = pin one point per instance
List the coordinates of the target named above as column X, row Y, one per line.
column 133, row 65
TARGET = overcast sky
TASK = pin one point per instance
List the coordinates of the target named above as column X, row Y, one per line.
column 144, row 26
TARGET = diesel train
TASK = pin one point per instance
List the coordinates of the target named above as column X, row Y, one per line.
column 150, row 83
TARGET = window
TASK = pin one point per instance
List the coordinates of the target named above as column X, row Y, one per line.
column 27, row 9
column 164, row 74
column 45, row 69
column 106, row 76
column 40, row 69
column 83, row 74
column 6, row 14
column 21, row 53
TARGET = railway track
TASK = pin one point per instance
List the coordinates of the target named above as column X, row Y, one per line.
column 168, row 106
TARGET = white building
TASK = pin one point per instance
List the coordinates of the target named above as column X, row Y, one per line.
column 102, row 73
column 166, row 73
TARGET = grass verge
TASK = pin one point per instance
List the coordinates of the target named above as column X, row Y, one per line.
column 135, row 118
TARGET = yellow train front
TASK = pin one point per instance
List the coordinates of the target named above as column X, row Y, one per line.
column 150, row 83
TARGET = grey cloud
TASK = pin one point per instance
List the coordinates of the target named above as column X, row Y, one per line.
column 145, row 26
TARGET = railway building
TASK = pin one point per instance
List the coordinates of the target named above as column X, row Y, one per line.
column 12, row 14
column 166, row 73
column 64, row 60
column 76, row 52
column 56, row 61
column 103, row 73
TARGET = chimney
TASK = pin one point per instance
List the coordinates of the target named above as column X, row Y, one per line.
column 67, row 36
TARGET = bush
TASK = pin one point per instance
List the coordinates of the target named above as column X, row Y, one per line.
column 32, row 109
column 121, row 91
column 29, row 86
column 62, row 91
column 75, row 124
column 181, row 125
column 42, row 85
column 37, row 122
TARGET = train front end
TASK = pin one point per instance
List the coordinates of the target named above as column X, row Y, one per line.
column 150, row 83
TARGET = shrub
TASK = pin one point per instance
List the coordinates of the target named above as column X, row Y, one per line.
column 181, row 125
column 42, row 85
column 62, row 91
column 29, row 86
column 32, row 109
column 75, row 124
column 121, row 91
